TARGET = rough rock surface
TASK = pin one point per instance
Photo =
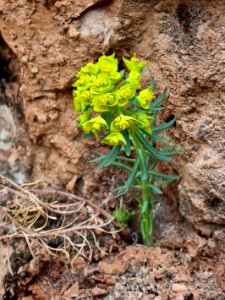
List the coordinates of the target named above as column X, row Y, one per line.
column 184, row 40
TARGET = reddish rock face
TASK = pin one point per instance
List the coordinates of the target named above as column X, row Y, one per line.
column 184, row 41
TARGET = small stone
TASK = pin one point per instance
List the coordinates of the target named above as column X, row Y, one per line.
column 13, row 36
column 72, row 32
column 179, row 288
column 24, row 59
column 34, row 70
column 112, row 268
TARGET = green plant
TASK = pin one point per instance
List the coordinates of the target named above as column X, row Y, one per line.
column 112, row 103
column 123, row 215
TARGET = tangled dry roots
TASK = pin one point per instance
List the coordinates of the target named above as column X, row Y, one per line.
column 62, row 223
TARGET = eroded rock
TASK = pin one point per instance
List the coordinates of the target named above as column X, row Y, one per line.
column 184, row 40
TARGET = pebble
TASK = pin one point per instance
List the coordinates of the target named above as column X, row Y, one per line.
column 179, row 288
column 34, row 70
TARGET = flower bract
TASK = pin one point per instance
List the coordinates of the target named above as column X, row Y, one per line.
column 145, row 97
column 108, row 64
column 125, row 93
column 84, row 117
column 94, row 125
column 144, row 121
column 134, row 64
column 121, row 123
column 103, row 102
column 114, row 139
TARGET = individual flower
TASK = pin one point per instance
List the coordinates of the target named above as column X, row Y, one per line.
column 134, row 78
column 121, row 123
column 108, row 64
column 103, row 102
column 143, row 121
column 83, row 118
column 125, row 93
column 94, row 125
column 134, row 64
column 90, row 68
column 79, row 106
column 145, row 97
column 84, row 96
column 101, row 84
column 116, row 76
column 114, row 139
column 84, row 82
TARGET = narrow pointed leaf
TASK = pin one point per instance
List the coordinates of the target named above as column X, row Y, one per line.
column 160, row 99
column 127, row 139
column 159, row 138
column 132, row 160
column 152, row 82
column 163, row 176
column 151, row 149
column 163, row 183
column 130, row 179
column 156, row 136
column 164, row 126
column 108, row 117
column 87, row 135
column 109, row 158
column 144, row 207
column 101, row 157
column 173, row 153
column 155, row 189
column 122, row 166
column 144, row 172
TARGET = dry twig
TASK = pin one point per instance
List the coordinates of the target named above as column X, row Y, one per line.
column 52, row 217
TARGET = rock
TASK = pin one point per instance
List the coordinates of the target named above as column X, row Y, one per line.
column 183, row 41
column 112, row 268
column 5, row 254
column 34, row 70
column 72, row 32
column 179, row 288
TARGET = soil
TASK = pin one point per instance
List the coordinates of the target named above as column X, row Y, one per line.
column 182, row 264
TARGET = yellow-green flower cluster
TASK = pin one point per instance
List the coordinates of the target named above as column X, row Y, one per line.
column 106, row 97
column 95, row 85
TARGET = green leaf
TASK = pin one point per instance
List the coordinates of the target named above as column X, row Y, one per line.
column 130, row 179
column 163, row 176
column 136, row 197
column 168, row 148
column 154, row 164
column 108, row 117
column 152, row 82
column 163, row 183
column 109, row 158
column 173, row 153
column 87, row 135
column 156, row 137
column 144, row 171
column 151, row 150
column 99, row 158
column 164, row 126
column 160, row 99
column 159, row 138
column 122, row 166
column 127, row 139
column 155, row 189
column 123, row 215
column 144, row 207
column 132, row 160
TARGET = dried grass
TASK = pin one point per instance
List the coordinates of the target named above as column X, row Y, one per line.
column 61, row 223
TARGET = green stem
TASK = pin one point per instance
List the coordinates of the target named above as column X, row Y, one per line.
column 146, row 214
column 146, row 209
